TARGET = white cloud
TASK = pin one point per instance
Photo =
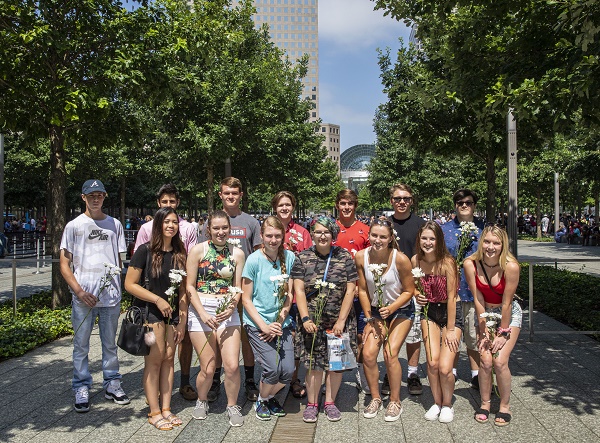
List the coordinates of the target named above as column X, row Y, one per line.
column 352, row 25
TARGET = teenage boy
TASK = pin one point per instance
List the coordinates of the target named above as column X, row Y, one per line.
column 353, row 236
column 465, row 202
column 406, row 226
column 168, row 197
column 247, row 229
column 89, row 242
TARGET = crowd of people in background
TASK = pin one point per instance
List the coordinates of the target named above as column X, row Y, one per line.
column 282, row 292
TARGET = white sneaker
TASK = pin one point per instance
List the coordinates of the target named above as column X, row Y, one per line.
column 82, row 399
column 361, row 380
column 235, row 415
column 115, row 392
column 201, row 410
column 446, row 415
column 433, row 413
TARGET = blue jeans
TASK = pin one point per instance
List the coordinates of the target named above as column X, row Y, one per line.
column 108, row 319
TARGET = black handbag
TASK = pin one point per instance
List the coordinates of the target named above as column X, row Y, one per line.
column 133, row 329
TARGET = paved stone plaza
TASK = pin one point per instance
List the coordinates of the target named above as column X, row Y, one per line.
column 555, row 398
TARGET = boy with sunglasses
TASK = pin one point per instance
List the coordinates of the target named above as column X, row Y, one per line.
column 465, row 202
column 406, row 227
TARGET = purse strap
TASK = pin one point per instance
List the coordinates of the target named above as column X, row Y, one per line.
column 327, row 265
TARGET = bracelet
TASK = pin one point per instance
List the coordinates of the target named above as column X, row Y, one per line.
column 503, row 330
column 368, row 319
column 157, row 299
column 305, row 319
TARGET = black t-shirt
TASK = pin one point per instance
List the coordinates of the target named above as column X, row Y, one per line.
column 157, row 285
column 406, row 233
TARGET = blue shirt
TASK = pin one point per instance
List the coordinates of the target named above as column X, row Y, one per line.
column 260, row 270
column 451, row 230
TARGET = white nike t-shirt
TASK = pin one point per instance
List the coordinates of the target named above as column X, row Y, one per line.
column 92, row 244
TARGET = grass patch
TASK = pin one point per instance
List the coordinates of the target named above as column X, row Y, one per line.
column 528, row 237
column 573, row 298
column 36, row 323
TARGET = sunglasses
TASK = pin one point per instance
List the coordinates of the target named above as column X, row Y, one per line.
column 467, row 203
column 402, row 199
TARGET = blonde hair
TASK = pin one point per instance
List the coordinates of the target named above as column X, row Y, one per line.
column 505, row 255
column 274, row 222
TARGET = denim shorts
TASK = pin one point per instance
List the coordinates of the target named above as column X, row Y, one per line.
column 407, row 312
column 516, row 314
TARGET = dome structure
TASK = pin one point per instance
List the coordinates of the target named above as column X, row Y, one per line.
column 353, row 165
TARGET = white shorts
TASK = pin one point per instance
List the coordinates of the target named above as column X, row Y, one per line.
column 210, row 306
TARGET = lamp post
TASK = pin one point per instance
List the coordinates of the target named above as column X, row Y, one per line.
column 511, row 223
column 2, row 183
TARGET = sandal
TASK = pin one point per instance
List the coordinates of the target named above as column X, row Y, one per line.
column 483, row 412
column 298, row 389
column 161, row 424
column 502, row 416
column 173, row 419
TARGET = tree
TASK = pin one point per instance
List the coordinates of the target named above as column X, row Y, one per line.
column 59, row 69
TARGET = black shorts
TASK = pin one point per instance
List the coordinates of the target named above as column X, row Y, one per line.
column 438, row 313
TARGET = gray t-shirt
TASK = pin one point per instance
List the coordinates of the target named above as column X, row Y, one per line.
column 243, row 227
column 93, row 243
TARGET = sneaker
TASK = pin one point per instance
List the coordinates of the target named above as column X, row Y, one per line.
column 251, row 389
column 275, row 407
column 361, row 381
column 214, row 391
column 447, row 414
column 310, row 414
column 385, row 387
column 374, row 407
column 262, row 410
column 201, row 410
column 235, row 415
column 475, row 382
column 115, row 392
column 433, row 413
column 332, row 413
column 82, row 399
column 414, row 385
column 393, row 411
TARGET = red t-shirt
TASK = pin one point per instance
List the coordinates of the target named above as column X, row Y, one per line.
column 297, row 238
column 354, row 238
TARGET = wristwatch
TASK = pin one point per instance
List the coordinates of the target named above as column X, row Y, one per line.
column 305, row 319
column 368, row 319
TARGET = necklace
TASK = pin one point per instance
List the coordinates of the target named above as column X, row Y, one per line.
column 491, row 266
column 273, row 262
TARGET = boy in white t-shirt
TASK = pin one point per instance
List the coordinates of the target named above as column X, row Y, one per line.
column 92, row 243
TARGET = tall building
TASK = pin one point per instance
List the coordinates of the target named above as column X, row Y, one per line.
column 332, row 141
column 294, row 28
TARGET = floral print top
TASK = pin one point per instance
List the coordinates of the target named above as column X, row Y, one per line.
column 215, row 270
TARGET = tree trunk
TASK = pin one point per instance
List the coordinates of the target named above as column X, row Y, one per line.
column 57, row 212
column 490, row 177
column 538, row 214
column 210, row 183
column 597, row 204
column 122, row 209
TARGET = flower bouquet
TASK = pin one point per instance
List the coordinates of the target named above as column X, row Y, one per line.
column 110, row 272
column 280, row 294
column 320, row 301
column 466, row 237
column 418, row 275
column 377, row 271
column 175, row 278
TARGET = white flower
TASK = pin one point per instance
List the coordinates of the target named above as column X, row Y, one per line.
column 274, row 277
column 417, row 273
column 377, row 268
column 170, row 292
column 490, row 323
column 331, row 286
column 234, row 290
column 318, row 283
column 234, row 242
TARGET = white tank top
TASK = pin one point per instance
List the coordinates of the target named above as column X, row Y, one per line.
column 392, row 287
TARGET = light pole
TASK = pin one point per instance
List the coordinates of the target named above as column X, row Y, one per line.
column 511, row 223
column 2, row 183
column 556, row 203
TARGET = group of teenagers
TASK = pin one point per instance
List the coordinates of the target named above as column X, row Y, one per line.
column 261, row 288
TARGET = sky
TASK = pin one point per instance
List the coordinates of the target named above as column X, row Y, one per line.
column 350, row 32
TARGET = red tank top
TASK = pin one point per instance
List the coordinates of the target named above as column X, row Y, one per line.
column 491, row 295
